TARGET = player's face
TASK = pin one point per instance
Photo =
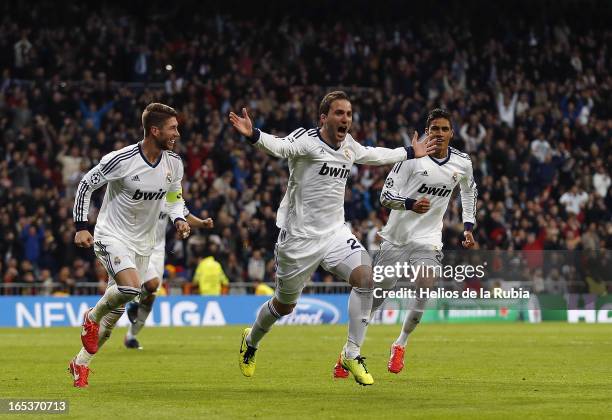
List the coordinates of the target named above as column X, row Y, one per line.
column 338, row 120
column 167, row 134
column 441, row 129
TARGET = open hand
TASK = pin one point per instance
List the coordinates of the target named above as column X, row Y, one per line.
column 243, row 124
column 425, row 147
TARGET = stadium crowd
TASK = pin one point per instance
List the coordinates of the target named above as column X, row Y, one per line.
column 530, row 101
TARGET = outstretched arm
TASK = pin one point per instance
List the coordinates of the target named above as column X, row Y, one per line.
column 383, row 156
column 282, row 147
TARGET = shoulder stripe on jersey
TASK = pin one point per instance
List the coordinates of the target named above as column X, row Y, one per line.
column 461, row 154
column 80, row 199
column 110, row 162
column 398, row 166
column 299, row 132
column 115, row 161
column 174, row 155
column 312, row 132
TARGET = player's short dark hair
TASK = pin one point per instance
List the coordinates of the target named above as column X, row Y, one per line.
column 436, row 113
column 329, row 98
column 155, row 114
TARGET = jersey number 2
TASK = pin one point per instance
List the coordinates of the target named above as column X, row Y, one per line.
column 353, row 243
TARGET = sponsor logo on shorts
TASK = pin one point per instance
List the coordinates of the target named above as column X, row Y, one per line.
column 117, row 260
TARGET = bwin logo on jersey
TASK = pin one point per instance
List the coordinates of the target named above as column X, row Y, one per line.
column 147, row 195
column 440, row 192
column 334, row 172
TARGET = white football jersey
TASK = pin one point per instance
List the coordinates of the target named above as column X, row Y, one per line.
column 436, row 180
column 313, row 205
column 162, row 226
column 136, row 193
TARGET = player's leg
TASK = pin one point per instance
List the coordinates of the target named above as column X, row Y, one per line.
column 108, row 322
column 347, row 259
column 387, row 256
column 123, row 286
column 296, row 260
column 139, row 310
column 429, row 260
column 124, row 283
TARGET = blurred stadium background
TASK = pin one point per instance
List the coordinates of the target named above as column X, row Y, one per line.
column 528, row 84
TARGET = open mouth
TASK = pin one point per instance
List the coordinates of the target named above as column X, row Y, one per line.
column 342, row 130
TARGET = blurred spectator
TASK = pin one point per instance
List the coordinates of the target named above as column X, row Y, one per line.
column 257, row 267
column 574, row 199
column 209, row 277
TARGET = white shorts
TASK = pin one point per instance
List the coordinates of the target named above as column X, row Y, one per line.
column 156, row 266
column 116, row 256
column 297, row 258
column 411, row 253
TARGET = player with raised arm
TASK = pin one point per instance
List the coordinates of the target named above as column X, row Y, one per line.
column 139, row 309
column 413, row 233
column 311, row 219
column 140, row 178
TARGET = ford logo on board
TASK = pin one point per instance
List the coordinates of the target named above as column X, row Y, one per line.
column 310, row 311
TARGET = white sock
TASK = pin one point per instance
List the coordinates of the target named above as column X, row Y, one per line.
column 107, row 324
column 83, row 358
column 113, row 298
column 266, row 317
column 359, row 308
column 411, row 321
column 143, row 313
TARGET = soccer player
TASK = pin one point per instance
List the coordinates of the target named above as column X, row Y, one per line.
column 138, row 310
column 140, row 178
column 413, row 233
column 311, row 219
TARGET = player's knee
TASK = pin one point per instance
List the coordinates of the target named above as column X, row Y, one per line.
column 361, row 277
column 128, row 278
column 283, row 308
column 152, row 285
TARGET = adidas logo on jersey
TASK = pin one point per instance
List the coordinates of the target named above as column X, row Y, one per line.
column 334, row 172
column 147, row 195
column 440, row 192
column 135, row 178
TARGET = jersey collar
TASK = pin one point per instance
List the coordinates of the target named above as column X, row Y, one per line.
column 145, row 159
column 327, row 144
column 442, row 162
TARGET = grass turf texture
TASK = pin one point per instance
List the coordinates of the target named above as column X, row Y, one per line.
column 461, row 371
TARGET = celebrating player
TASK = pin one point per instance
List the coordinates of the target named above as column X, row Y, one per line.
column 140, row 178
column 139, row 309
column 311, row 219
column 413, row 233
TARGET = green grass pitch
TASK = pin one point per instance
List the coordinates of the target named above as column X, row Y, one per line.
column 549, row 370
